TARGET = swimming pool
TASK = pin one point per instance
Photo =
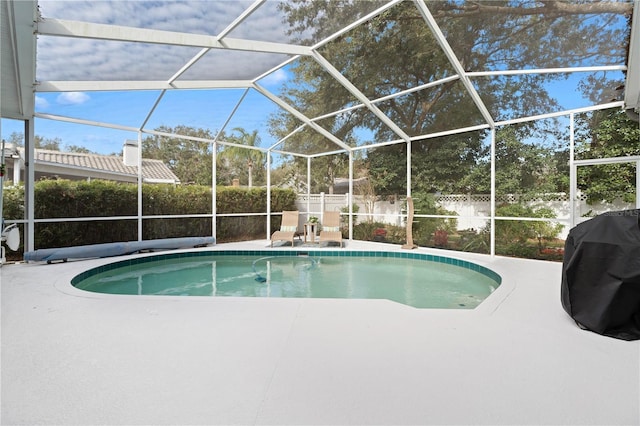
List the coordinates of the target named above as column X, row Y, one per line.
column 414, row 279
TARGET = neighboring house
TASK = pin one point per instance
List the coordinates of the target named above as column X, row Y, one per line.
column 341, row 185
column 78, row 166
column 294, row 182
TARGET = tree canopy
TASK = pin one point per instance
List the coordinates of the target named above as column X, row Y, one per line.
column 237, row 159
column 607, row 134
column 396, row 51
column 190, row 160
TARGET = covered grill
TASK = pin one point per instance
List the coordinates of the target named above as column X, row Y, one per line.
column 601, row 274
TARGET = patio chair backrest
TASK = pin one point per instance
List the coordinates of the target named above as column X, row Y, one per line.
column 290, row 218
column 331, row 218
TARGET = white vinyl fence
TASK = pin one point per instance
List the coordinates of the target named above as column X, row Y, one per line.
column 473, row 210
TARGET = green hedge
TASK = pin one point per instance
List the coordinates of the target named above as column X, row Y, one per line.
column 78, row 199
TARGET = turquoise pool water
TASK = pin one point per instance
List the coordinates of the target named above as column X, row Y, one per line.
column 418, row 280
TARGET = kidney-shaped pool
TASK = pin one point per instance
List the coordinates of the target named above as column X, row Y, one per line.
column 414, row 279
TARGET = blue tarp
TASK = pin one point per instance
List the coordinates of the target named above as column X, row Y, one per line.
column 115, row 249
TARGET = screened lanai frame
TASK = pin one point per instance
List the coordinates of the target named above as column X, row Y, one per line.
column 60, row 28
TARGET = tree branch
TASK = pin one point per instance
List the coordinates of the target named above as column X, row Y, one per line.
column 555, row 7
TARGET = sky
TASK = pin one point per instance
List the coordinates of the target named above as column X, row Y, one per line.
column 61, row 58
column 197, row 108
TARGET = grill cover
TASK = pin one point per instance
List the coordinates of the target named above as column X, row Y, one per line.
column 601, row 274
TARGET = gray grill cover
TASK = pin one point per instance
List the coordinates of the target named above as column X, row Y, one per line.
column 601, row 275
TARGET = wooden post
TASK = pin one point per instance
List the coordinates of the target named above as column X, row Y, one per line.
column 409, row 245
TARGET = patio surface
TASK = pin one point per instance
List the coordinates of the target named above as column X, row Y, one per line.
column 72, row 357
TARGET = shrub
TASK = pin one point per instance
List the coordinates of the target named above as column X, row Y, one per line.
column 440, row 238
column 78, row 199
column 509, row 232
column 424, row 228
column 378, row 231
column 365, row 231
column 476, row 242
column 344, row 217
column 396, row 234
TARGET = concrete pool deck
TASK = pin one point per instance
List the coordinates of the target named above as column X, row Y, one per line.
column 71, row 357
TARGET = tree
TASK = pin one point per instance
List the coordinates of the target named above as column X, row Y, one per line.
column 514, row 234
column 424, row 228
column 524, row 166
column 52, row 144
column 388, row 169
column 16, row 139
column 48, row 143
column 325, row 168
column 78, row 149
column 246, row 156
column 366, row 189
column 40, row 142
column 608, row 134
column 190, row 160
column 396, row 51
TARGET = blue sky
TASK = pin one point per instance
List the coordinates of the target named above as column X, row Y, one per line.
column 196, row 108
column 208, row 109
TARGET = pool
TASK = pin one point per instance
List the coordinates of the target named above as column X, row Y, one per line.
column 414, row 279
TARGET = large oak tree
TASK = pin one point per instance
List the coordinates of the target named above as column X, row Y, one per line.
column 396, row 51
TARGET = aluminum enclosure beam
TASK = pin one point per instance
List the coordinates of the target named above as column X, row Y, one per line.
column 300, row 116
column 124, row 85
column 453, row 59
column 17, row 59
column 65, row 28
column 359, row 95
column 632, row 85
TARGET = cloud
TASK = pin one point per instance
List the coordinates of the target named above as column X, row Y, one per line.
column 72, row 98
column 275, row 78
column 41, row 103
column 69, row 59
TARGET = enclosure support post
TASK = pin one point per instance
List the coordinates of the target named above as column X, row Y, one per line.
column 308, row 186
column 268, row 194
column 139, row 165
column 350, row 196
column 573, row 176
column 408, row 169
column 29, row 186
column 492, row 237
column 214, row 192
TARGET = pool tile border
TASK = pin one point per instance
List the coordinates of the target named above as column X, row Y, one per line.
column 333, row 253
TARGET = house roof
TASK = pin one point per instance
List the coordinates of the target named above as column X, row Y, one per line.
column 153, row 171
column 341, row 185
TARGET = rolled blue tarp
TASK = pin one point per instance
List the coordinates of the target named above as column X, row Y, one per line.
column 115, row 249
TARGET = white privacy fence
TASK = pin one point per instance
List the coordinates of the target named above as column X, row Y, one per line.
column 387, row 211
column 472, row 210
